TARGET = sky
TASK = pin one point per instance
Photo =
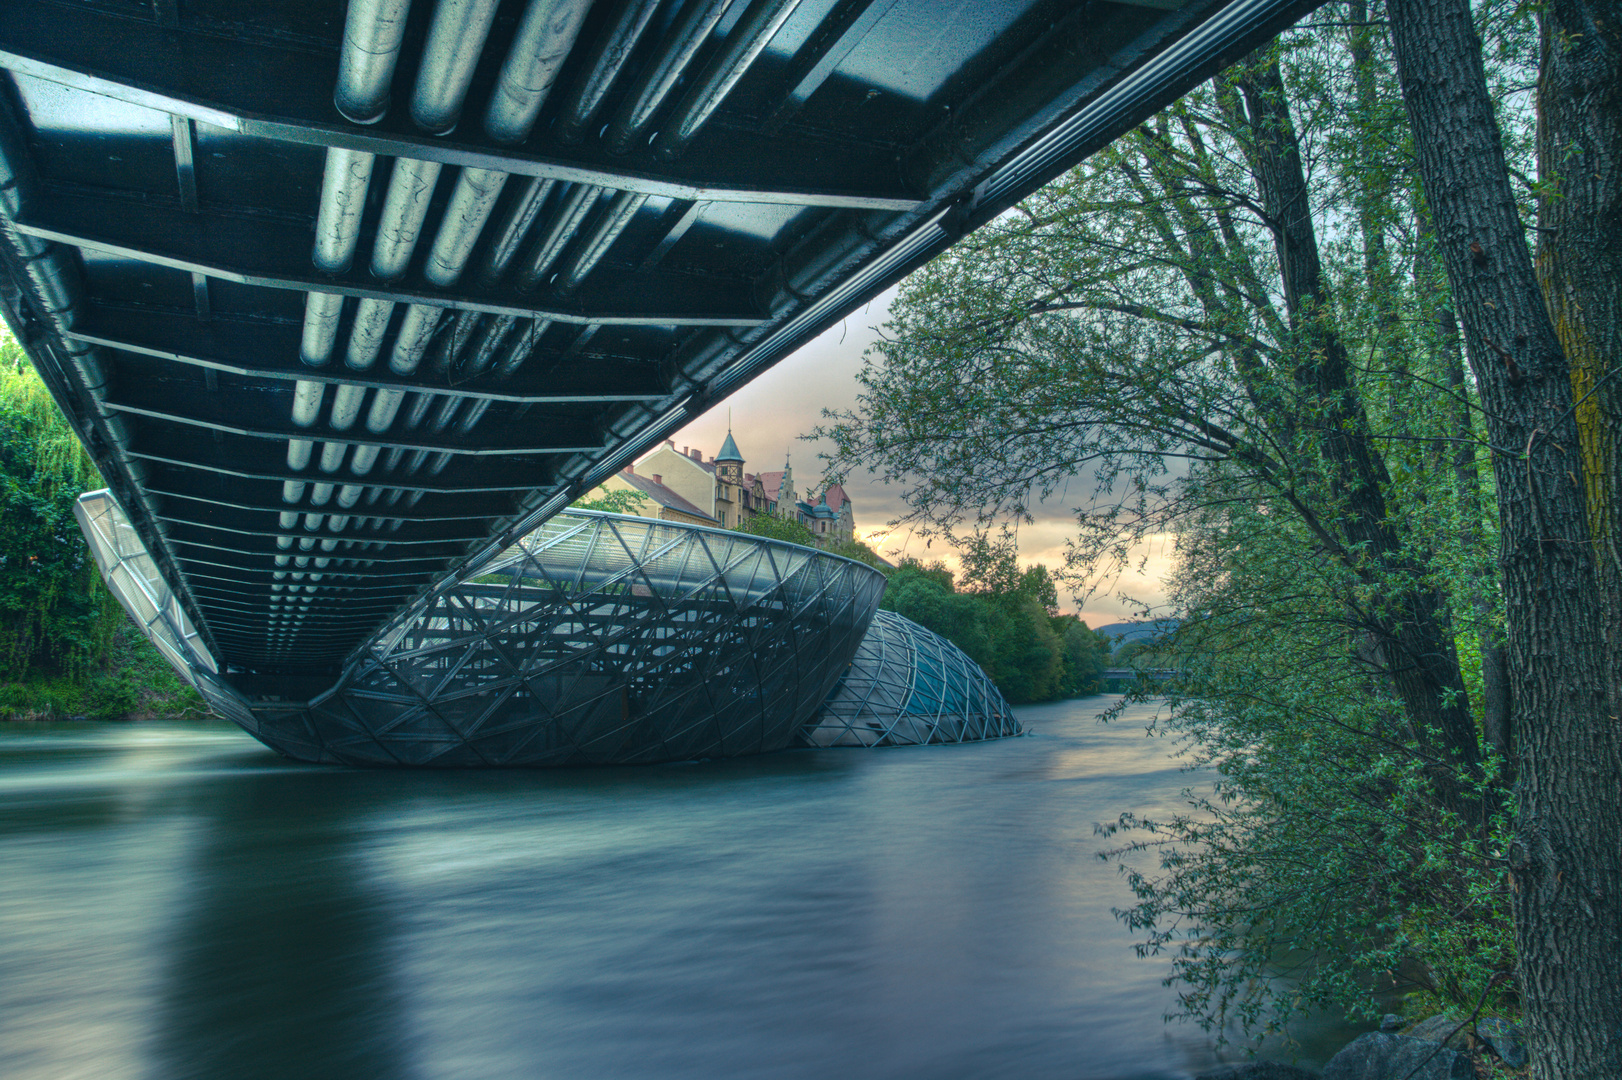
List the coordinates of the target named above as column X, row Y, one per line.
column 771, row 416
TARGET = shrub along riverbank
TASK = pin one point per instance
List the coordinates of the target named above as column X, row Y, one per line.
column 66, row 648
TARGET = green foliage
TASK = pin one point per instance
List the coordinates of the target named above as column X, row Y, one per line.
column 861, row 552
column 55, row 615
column 775, row 528
column 1031, row 653
column 1147, row 654
column 1029, row 661
column 66, row 647
column 613, row 501
column 935, row 571
column 1130, row 330
column 1085, row 654
column 963, row 620
column 135, row 683
column 1319, row 869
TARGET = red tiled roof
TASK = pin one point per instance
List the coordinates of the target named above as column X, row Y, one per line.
column 773, row 483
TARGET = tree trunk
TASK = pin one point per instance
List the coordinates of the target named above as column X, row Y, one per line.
column 1373, row 189
column 1579, row 257
column 1497, row 723
column 1422, row 662
column 1567, row 856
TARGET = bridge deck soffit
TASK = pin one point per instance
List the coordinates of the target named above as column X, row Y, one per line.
column 344, row 299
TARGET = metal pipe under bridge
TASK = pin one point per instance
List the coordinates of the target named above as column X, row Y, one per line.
column 345, row 301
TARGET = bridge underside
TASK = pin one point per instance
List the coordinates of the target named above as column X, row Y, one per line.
column 343, row 303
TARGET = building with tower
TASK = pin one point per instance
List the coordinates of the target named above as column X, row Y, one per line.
column 682, row 485
column 719, row 485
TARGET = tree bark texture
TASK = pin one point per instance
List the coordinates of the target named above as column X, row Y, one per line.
column 1579, row 257
column 1566, row 860
column 1421, row 659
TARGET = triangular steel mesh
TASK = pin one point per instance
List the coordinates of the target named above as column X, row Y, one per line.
column 907, row 685
column 600, row 639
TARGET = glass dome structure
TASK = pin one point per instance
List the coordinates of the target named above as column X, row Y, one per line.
column 599, row 639
column 907, row 685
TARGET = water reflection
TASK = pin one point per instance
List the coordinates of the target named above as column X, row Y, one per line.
column 280, row 959
column 180, row 903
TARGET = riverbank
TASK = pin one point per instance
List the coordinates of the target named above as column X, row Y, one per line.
column 136, row 685
column 1436, row 1048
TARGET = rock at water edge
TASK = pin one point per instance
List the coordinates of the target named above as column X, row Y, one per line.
column 1378, row 1056
column 1438, row 1028
column 1505, row 1038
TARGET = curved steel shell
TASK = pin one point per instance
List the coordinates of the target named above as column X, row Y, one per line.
column 907, row 685
column 599, row 639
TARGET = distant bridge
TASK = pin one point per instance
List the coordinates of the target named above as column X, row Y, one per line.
column 1124, row 674
column 1122, row 680
column 343, row 304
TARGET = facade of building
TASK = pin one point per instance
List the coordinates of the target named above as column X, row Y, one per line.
column 831, row 518
column 720, row 484
column 829, row 514
column 661, row 502
column 721, row 491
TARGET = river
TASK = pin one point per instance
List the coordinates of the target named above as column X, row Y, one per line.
column 178, row 902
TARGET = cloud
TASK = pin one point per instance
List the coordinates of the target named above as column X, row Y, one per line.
column 771, row 416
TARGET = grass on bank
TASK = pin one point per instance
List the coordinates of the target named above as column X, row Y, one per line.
column 137, row 684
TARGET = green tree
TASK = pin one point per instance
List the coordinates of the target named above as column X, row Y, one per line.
column 1320, row 868
column 935, row 570
column 66, row 647
column 1085, row 654
column 925, row 596
column 613, row 501
column 775, row 528
column 1229, row 323
column 55, row 615
column 1542, row 342
column 861, row 552
column 1003, row 618
column 1027, row 657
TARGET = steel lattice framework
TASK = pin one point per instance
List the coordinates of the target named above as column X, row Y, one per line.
column 353, row 297
column 598, row 639
column 906, row 686
column 133, row 577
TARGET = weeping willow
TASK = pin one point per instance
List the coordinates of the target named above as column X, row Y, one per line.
column 56, row 616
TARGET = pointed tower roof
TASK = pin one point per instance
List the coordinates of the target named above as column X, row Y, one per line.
column 729, row 451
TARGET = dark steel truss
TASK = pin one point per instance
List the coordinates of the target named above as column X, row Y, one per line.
column 316, row 281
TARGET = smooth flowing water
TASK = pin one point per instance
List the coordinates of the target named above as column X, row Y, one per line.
column 177, row 901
